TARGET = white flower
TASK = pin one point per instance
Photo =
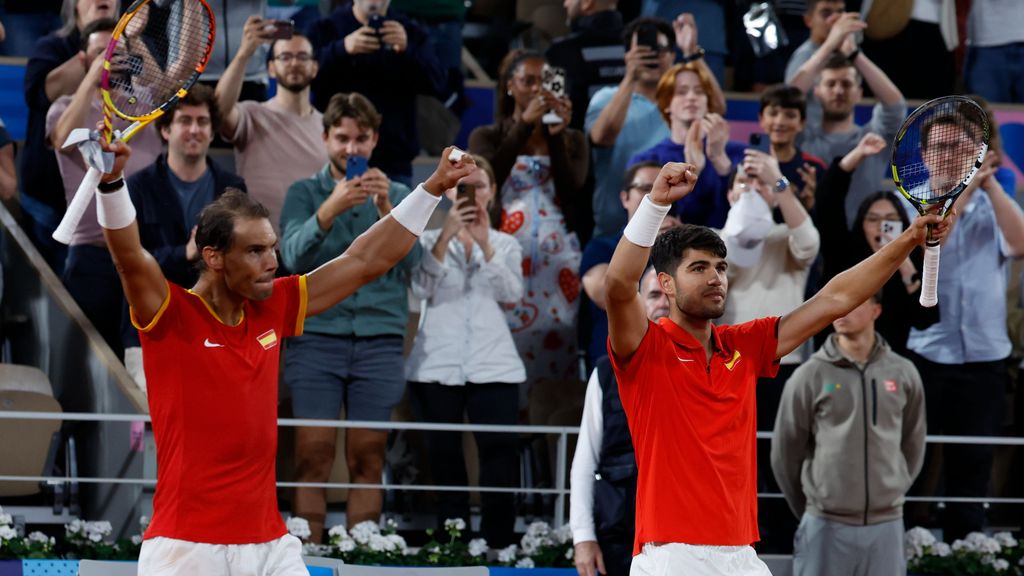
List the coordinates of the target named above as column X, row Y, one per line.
column 7, row 533
column 391, row 524
column 530, row 544
column 1005, row 539
column 6, row 519
column 506, row 555
column 525, row 563
column 101, row 528
column 74, row 527
column 362, row 532
column 569, row 553
column 456, row 523
column 564, row 534
column 397, row 542
column 137, row 540
column 941, row 549
column 538, row 529
column 477, row 547
column 298, row 527
column 1001, row 565
column 982, row 543
column 379, row 543
column 346, row 545
column 315, row 549
column 38, row 537
column 96, row 537
column 337, row 531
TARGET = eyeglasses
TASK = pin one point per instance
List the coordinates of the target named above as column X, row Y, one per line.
column 286, row 57
column 875, row 218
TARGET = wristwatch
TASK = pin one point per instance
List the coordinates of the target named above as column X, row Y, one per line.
column 781, row 184
column 693, row 57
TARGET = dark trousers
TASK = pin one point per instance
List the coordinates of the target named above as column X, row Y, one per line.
column 963, row 400
column 900, row 57
column 498, row 453
column 775, row 520
column 617, row 553
column 92, row 280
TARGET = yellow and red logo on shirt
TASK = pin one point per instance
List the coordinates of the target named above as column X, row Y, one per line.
column 735, row 359
column 268, row 339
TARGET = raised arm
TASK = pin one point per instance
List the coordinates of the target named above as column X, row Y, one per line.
column 883, row 88
column 627, row 320
column 375, row 251
column 850, row 288
column 685, row 26
column 144, row 283
column 76, row 115
column 609, row 122
column 229, row 87
column 847, row 24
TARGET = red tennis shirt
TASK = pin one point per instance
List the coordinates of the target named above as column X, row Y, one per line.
column 213, row 400
column 694, row 431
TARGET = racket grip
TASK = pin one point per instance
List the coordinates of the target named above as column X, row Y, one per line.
column 76, row 209
column 930, row 278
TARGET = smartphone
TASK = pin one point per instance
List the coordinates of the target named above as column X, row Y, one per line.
column 890, row 230
column 355, row 167
column 647, row 35
column 760, row 142
column 281, row 29
column 465, row 191
column 553, row 80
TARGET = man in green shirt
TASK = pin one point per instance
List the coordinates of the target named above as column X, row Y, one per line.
column 353, row 351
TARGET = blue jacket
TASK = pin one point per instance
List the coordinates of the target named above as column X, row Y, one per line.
column 708, row 204
column 391, row 80
column 162, row 223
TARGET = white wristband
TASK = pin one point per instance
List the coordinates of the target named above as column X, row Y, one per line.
column 115, row 210
column 414, row 210
column 643, row 228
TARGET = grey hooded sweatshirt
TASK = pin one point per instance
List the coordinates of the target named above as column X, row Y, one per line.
column 849, row 439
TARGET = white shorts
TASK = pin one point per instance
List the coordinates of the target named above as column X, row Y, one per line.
column 691, row 560
column 171, row 557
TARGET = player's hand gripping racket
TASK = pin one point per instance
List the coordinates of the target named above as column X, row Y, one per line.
column 935, row 156
column 157, row 51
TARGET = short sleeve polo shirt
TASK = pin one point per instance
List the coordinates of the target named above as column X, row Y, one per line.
column 694, row 430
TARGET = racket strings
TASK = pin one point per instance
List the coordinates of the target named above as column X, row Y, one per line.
column 160, row 49
column 939, row 149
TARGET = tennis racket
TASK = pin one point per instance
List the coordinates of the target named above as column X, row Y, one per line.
column 157, row 51
column 935, row 156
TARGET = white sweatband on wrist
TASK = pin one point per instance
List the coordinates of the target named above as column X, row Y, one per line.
column 643, row 227
column 414, row 210
column 115, row 210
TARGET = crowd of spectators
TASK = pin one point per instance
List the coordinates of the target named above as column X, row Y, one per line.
column 511, row 282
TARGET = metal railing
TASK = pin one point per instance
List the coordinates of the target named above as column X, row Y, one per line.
column 560, row 490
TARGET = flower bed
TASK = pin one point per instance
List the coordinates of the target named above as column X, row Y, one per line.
column 978, row 555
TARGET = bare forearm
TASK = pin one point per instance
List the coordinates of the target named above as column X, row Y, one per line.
column 610, row 121
column 1009, row 219
column 624, row 271
column 74, row 116
column 228, row 90
column 441, row 247
column 64, row 79
column 885, row 91
column 792, row 211
column 8, row 176
column 808, row 72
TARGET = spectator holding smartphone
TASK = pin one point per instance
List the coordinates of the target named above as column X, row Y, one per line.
column 278, row 141
column 364, row 47
column 783, row 116
column 350, row 354
column 463, row 362
column 879, row 219
column 540, row 170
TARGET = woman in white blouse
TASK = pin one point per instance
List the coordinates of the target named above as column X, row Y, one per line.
column 464, row 361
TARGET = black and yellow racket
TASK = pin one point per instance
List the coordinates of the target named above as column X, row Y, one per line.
column 935, row 156
column 156, row 53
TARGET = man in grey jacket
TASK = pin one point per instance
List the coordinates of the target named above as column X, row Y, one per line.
column 849, row 440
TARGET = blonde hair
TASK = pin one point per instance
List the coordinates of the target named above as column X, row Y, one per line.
column 667, row 88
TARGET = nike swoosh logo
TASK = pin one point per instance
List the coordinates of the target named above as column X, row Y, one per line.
column 684, row 359
column 209, row 344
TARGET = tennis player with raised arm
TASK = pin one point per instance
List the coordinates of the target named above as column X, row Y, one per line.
column 211, row 359
column 687, row 385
